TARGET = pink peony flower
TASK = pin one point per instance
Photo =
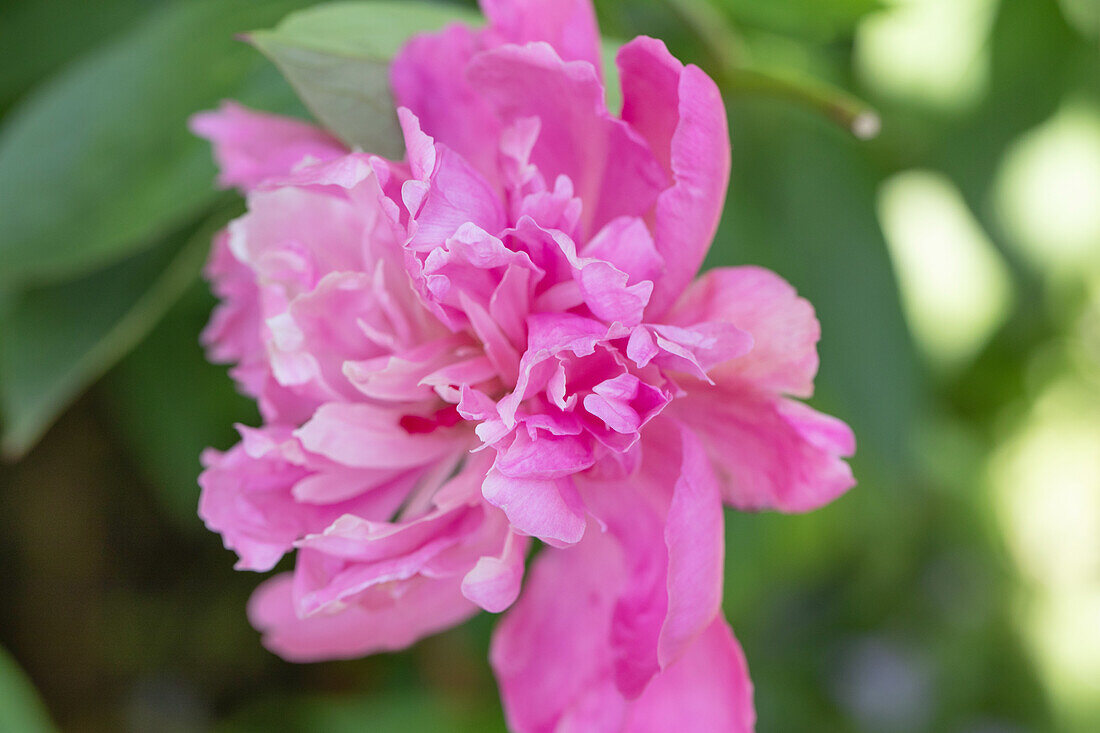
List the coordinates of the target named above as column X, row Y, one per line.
column 498, row 339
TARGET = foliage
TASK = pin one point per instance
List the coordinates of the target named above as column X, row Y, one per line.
column 908, row 591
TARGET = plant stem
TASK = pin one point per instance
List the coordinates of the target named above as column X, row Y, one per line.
column 726, row 49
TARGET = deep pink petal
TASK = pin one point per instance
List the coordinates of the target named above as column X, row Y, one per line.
column 708, row 689
column 429, row 77
column 549, row 509
column 552, row 648
column 696, row 550
column 567, row 25
column 611, row 168
column 679, row 111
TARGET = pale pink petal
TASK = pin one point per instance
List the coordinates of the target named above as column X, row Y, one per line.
column 252, row 495
column 352, row 556
column 494, row 582
column 769, row 452
column 695, row 150
column 365, row 436
column 567, row 25
column 252, row 146
column 386, row 618
column 784, row 330
column 234, row 333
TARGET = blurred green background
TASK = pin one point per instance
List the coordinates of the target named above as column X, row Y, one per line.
column 954, row 261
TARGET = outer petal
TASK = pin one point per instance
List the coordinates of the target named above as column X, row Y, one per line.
column 253, row 146
column 696, row 549
column 552, row 647
column 770, row 452
column 668, row 520
column 234, row 332
column 693, row 143
column 387, row 618
column 429, row 77
column 707, row 690
column 554, row 660
column 567, row 25
column 784, row 329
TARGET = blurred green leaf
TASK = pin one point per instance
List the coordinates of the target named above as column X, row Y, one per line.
column 98, row 162
column 396, row 711
column 809, row 18
column 169, row 403
column 337, row 58
column 59, row 339
column 802, row 203
column 20, row 709
column 36, row 44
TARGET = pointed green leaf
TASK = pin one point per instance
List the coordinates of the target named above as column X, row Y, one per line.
column 59, row 339
column 337, row 57
column 98, row 162
column 20, row 708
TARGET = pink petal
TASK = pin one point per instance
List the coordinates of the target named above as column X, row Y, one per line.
column 494, row 582
column 708, row 689
column 568, row 25
column 360, row 435
column 612, row 170
column 554, row 661
column 252, row 146
column 446, row 193
column 545, row 457
column 769, row 452
column 549, row 509
column 627, row 244
column 784, row 330
column 429, row 77
column 387, row 618
column 696, row 549
column 550, row 651
column 695, row 150
column 252, row 495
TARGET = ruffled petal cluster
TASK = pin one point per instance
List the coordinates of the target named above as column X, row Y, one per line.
column 500, row 338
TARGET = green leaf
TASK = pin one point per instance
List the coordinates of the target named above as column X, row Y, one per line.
column 337, row 57
column 59, row 339
column 20, row 708
column 169, row 403
column 802, row 202
column 98, row 163
column 817, row 19
column 36, row 44
column 390, row 711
